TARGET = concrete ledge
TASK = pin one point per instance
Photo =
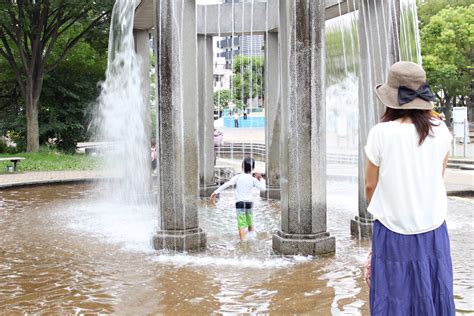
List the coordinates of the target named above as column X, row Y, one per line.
column 192, row 240
column 461, row 193
column 272, row 192
column 362, row 227
column 47, row 182
column 206, row 191
column 304, row 244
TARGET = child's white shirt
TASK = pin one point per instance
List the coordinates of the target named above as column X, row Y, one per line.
column 244, row 184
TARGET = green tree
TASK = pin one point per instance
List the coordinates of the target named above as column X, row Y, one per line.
column 31, row 30
column 447, row 42
column 67, row 93
column 428, row 8
column 247, row 81
column 222, row 98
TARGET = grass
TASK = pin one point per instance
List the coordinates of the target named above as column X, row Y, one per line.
column 51, row 160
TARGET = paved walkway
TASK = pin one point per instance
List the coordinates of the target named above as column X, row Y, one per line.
column 45, row 177
column 257, row 135
column 456, row 180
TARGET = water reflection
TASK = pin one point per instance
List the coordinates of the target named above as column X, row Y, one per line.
column 64, row 251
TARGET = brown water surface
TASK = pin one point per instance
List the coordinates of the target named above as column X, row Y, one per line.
column 64, row 250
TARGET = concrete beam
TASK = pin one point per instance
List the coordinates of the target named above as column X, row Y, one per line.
column 144, row 15
column 219, row 17
column 227, row 19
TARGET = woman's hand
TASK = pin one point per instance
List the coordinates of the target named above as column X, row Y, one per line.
column 368, row 268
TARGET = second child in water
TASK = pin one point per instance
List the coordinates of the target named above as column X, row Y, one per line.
column 244, row 183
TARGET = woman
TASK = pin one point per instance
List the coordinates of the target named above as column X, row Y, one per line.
column 410, row 266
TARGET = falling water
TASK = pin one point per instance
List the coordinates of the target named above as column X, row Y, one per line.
column 121, row 112
column 342, row 88
column 342, row 66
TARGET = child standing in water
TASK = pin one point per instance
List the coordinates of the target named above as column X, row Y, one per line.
column 244, row 183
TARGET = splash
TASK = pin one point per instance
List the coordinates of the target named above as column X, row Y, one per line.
column 121, row 112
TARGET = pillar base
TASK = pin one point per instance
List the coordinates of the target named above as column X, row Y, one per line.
column 206, row 191
column 304, row 244
column 361, row 227
column 272, row 192
column 180, row 240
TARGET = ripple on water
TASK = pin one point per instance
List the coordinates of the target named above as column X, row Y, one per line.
column 63, row 249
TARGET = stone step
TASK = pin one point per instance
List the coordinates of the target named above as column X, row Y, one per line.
column 461, row 161
column 461, row 166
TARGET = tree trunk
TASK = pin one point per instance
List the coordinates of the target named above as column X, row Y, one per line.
column 32, row 126
column 447, row 109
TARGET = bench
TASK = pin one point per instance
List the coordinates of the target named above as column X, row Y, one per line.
column 15, row 160
column 95, row 147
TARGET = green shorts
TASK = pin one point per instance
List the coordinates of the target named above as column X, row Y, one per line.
column 244, row 218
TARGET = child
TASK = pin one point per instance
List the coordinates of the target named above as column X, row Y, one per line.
column 243, row 194
column 153, row 155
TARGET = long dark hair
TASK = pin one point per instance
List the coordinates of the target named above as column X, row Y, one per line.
column 423, row 120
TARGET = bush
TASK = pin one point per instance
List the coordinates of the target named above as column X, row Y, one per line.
column 5, row 149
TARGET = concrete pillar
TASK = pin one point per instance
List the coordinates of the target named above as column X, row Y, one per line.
column 206, row 116
column 379, row 49
column 272, row 113
column 177, row 141
column 303, row 150
column 142, row 47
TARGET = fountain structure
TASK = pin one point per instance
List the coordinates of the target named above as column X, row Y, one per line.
column 295, row 83
column 68, row 249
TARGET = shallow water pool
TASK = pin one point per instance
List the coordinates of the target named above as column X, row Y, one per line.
column 63, row 249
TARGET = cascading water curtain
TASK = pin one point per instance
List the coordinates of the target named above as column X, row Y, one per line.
column 409, row 33
column 342, row 66
column 342, row 63
column 121, row 113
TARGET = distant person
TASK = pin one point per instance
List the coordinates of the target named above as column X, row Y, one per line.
column 153, row 155
column 410, row 270
column 245, row 114
column 218, row 141
column 236, row 119
column 244, row 183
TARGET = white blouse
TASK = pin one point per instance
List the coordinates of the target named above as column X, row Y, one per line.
column 410, row 196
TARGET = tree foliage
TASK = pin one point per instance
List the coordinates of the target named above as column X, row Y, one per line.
column 37, row 35
column 67, row 87
column 447, row 40
column 65, row 103
column 429, row 8
column 247, row 82
column 222, row 98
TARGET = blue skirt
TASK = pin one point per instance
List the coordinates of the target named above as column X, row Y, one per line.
column 411, row 274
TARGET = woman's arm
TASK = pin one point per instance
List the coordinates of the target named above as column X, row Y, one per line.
column 371, row 179
column 445, row 163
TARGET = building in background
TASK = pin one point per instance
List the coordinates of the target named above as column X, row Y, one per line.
column 245, row 45
column 222, row 75
column 228, row 47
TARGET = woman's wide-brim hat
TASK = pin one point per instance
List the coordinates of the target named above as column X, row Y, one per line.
column 406, row 88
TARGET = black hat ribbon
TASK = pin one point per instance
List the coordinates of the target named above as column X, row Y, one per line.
column 406, row 95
